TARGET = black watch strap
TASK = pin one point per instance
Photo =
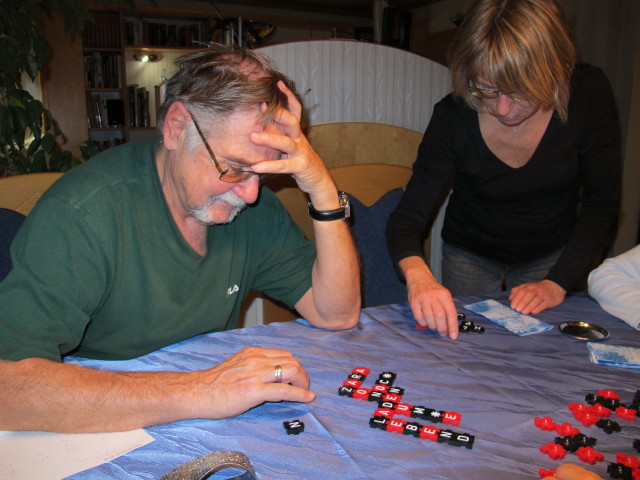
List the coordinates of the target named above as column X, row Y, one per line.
column 341, row 213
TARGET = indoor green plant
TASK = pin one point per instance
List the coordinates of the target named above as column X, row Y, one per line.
column 27, row 129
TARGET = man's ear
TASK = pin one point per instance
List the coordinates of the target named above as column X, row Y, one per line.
column 175, row 124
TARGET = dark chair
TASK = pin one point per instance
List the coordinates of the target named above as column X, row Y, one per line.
column 10, row 223
column 380, row 282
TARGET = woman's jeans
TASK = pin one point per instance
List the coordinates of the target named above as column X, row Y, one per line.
column 465, row 273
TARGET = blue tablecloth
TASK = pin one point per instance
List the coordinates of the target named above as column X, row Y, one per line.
column 498, row 381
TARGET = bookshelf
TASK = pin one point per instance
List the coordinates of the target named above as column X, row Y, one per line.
column 165, row 35
column 154, row 32
column 104, row 79
column 121, row 91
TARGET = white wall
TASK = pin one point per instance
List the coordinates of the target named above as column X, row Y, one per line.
column 350, row 81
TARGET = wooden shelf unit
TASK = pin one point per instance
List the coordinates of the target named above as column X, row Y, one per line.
column 118, row 34
column 119, row 110
column 105, row 79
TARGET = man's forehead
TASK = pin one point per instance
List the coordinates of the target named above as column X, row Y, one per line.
column 234, row 140
column 246, row 120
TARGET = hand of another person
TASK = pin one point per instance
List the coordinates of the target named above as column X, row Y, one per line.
column 246, row 380
column 569, row 471
column 300, row 160
column 432, row 304
column 535, row 297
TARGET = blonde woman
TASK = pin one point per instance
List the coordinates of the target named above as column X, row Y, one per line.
column 528, row 139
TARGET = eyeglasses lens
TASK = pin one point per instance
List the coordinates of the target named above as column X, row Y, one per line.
column 239, row 176
column 491, row 94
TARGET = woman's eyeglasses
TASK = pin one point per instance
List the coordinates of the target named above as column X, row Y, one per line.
column 492, row 93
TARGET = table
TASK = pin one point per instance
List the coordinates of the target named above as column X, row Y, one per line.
column 498, row 381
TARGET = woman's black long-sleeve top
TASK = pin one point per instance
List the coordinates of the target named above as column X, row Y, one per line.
column 566, row 195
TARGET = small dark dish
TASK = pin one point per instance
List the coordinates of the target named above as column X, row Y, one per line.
column 584, row 331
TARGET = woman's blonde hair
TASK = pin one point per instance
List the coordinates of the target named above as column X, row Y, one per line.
column 519, row 46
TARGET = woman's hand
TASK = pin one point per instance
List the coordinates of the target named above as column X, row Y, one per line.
column 536, row 297
column 432, row 304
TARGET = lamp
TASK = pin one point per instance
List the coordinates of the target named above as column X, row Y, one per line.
column 145, row 57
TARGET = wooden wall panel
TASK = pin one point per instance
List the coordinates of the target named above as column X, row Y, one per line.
column 62, row 83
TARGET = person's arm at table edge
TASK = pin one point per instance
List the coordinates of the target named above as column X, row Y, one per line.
column 431, row 303
column 334, row 298
column 440, row 313
column 44, row 395
column 433, row 171
column 40, row 394
column 615, row 285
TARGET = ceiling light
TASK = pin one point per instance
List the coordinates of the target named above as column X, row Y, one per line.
column 145, row 57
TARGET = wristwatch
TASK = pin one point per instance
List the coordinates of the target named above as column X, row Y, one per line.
column 341, row 213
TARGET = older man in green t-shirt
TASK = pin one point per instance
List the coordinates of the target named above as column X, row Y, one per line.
column 151, row 243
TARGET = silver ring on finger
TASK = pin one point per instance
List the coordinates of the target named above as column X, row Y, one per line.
column 277, row 373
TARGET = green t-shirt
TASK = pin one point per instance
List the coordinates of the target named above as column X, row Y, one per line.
column 100, row 269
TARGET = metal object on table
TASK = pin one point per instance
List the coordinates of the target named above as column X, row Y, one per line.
column 206, row 465
column 584, row 331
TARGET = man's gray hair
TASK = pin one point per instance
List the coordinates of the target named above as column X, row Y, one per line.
column 217, row 81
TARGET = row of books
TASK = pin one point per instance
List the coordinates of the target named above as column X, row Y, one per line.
column 103, row 70
column 103, row 31
column 139, row 32
column 138, row 106
column 110, row 142
column 104, row 112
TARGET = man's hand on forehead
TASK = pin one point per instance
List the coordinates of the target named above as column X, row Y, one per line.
column 298, row 159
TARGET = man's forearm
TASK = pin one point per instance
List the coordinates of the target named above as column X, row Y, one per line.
column 43, row 395
column 40, row 394
column 336, row 276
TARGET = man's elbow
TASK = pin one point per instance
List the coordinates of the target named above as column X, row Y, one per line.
column 350, row 314
column 348, row 321
column 333, row 321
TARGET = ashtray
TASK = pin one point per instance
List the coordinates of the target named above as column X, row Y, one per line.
column 584, row 331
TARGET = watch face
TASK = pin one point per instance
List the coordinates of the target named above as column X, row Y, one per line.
column 340, row 213
column 344, row 203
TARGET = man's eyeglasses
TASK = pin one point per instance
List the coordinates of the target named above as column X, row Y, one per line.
column 492, row 93
column 229, row 174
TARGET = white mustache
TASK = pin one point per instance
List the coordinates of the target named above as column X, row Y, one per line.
column 202, row 212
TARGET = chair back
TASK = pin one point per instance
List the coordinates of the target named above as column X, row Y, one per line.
column 375, row 189
column 366, row 181
column 347, row 143
column 21, row 192
column 370, row 181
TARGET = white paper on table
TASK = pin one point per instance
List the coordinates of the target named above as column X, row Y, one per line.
column 53, row 456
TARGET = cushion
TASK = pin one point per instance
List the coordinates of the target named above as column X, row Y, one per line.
column 380, row 282
column 10, row 223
